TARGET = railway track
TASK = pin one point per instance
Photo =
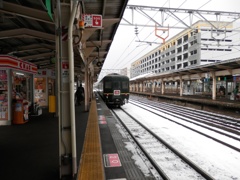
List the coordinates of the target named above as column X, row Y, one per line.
column 199, row 115
column 228, row 136
column 167, row 160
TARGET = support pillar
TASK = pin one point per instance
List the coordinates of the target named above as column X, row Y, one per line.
column 66, row 106
column 163, row 87
column 153, row 87
column 181, row 86
column 86, row 80
column 214, row 86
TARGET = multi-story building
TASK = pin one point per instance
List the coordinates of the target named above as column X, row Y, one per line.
column 205, row 42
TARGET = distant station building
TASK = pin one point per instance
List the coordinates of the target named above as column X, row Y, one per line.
column 204, row 43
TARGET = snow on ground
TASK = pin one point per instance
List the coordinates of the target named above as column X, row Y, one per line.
column 218, row 160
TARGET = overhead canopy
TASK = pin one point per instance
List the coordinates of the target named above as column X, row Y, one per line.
column 27, row 31
column 228, row 67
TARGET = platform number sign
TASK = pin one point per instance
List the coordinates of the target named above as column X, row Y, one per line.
column 111, row 160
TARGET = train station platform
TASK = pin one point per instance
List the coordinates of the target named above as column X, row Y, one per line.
column 30, row 151
column 222, row 104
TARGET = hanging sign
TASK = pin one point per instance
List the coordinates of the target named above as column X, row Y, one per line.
column 92, row 20
column 236, row 78
column 65, row 71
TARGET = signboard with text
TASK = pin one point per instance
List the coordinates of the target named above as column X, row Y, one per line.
column 17, row 64
column 92, row 20
column 65, row 71
column 111, row 160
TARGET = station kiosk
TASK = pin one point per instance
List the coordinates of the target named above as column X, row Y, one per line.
column 16, row 89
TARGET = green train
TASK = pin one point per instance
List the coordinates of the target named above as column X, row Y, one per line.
column 114, row 89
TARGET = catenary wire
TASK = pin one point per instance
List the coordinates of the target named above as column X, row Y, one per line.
column 118, row 61
column 144, row 39
column 226, row 54
column 131, row 43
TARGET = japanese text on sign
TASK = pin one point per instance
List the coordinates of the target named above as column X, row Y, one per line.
column 92, row 20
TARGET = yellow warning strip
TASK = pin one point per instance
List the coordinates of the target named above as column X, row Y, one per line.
column 91, row 163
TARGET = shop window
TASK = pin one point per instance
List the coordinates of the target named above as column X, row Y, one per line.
column 3, row 95
column 20, row 86
column 40, row 95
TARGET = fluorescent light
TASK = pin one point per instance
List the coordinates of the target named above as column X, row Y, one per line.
column 20, row 74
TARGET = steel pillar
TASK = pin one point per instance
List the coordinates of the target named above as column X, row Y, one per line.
column 66, row 109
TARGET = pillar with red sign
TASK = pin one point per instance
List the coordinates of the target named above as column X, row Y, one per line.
column 67, row 151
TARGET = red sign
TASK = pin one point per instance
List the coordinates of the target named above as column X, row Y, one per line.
column 15, row 63
column 65, row 65
column 112, row 160
column 102, row 122
column 92, row 20
column 96, row 20
column 102, row 119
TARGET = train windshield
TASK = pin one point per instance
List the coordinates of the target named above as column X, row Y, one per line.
column 116, row 85
column 108, row 85
column 125, row 85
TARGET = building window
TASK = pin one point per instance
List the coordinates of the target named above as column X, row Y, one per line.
column 179, row 50
column 185, row 64
column 179, row 41
column 185, row 56
column 179, row 58
column 185, row 38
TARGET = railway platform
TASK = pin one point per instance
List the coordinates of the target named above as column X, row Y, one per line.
column 30, row 151
column 222, row 104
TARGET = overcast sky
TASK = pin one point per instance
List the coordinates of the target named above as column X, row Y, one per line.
column 126, row 47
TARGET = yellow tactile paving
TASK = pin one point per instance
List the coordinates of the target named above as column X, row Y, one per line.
column 91, row 163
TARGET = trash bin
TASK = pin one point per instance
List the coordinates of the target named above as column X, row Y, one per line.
column 20, row 112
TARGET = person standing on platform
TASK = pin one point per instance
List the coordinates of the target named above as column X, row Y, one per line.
column 79, row 95
column 235, row 92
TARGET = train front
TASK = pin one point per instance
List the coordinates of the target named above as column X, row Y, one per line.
column 116, row 90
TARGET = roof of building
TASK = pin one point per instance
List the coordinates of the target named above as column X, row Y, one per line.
column 229, row 65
